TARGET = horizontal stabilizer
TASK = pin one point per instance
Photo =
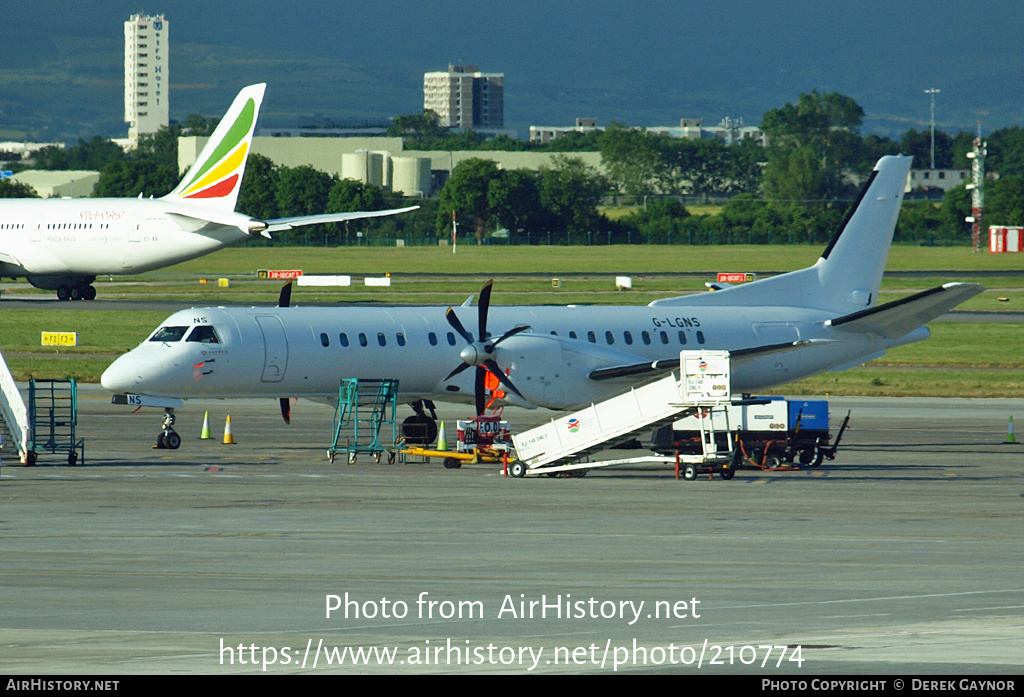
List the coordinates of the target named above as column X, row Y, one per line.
column 667, row 364
column 900, row 317
column 280, row 224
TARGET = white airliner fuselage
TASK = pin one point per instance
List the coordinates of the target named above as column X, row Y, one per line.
column 305, row 351
column 101, row 236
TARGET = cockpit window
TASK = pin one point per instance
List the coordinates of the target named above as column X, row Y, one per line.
column 169, row 334
column 203, row 334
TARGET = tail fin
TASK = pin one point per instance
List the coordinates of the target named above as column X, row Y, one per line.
column 216, row 177
column 848, row 275
column 851, row 267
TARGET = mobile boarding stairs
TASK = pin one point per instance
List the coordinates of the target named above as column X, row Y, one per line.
column 702, row 385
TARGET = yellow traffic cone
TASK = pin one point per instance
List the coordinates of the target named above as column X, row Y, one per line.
column 442, row 438
column 1010, row 438
column 205, row 435
column 228, row 438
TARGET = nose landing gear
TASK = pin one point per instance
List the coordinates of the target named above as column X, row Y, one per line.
column 168, row 438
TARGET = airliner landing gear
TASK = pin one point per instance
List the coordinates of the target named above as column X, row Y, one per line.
column 76, row 292
column 420, row 429
column 168, row 438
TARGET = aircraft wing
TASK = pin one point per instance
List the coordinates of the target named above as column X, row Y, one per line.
column 900, row 317
column 280, row 224
column 667, row 364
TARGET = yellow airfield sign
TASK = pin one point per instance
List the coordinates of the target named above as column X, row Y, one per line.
column 60, row 338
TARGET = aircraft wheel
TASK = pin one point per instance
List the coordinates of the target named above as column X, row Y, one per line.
column 161, row 441
column 172, row 440
column 517, row 469
column 64, row 293
column 76, row 292
column 689, row 472
column 88, row 293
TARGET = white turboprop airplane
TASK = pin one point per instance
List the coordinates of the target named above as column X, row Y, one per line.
column 778, row 329
column 64, row 244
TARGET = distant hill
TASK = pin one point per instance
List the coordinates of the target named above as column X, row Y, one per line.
column 61, row 68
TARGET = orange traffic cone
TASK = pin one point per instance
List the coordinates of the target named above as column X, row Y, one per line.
column 229, row 439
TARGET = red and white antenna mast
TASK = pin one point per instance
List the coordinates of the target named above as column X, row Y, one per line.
column 977, row 187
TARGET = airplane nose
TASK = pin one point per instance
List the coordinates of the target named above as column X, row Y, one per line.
column 121, row 376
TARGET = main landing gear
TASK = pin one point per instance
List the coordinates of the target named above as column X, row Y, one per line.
column 420, row 429
column 76, row 292
column 168, row 438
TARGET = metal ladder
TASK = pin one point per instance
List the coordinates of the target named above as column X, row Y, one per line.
column 364, row 407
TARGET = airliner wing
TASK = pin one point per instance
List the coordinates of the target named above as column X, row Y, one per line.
column 900, row 317
column 667, row 364
column 280, row 224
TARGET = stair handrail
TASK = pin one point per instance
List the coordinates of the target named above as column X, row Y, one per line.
column 14, row 411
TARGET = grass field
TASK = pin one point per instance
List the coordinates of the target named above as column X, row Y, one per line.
column 961, row 358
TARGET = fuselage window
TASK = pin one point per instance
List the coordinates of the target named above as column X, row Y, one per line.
column 325, row 340
column 554, row 333
column 432, row 338
column 400, row 338
column 591, row 337
column 609, row 337
column 343, row 339
column 362, row 339
column 203, row 334
column 451, row 339
column 628, row 337
column 682, row 337
column 381, row 339
column 169, row 334
column 700, row 337
column 572, row 335
column 646, row 337
column 664, row 337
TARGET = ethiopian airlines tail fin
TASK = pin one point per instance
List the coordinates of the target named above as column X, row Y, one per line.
column 848, row 275
column 216, row 177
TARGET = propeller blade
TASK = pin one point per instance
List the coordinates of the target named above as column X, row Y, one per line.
column 286, row 405
column 481, row 402
column 511, row 332
column 285, row 298
column 482, row 308
column 458, row 370
column 453, row 320
column 502, row 378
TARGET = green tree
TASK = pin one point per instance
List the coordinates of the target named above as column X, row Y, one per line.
column 514, row 200
column 465, row 192
column 570, row 191
column 351, row 195
column 633, row 160
column 302, row 190
column 130, row 178
column 9, row 189
column 258, row 195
